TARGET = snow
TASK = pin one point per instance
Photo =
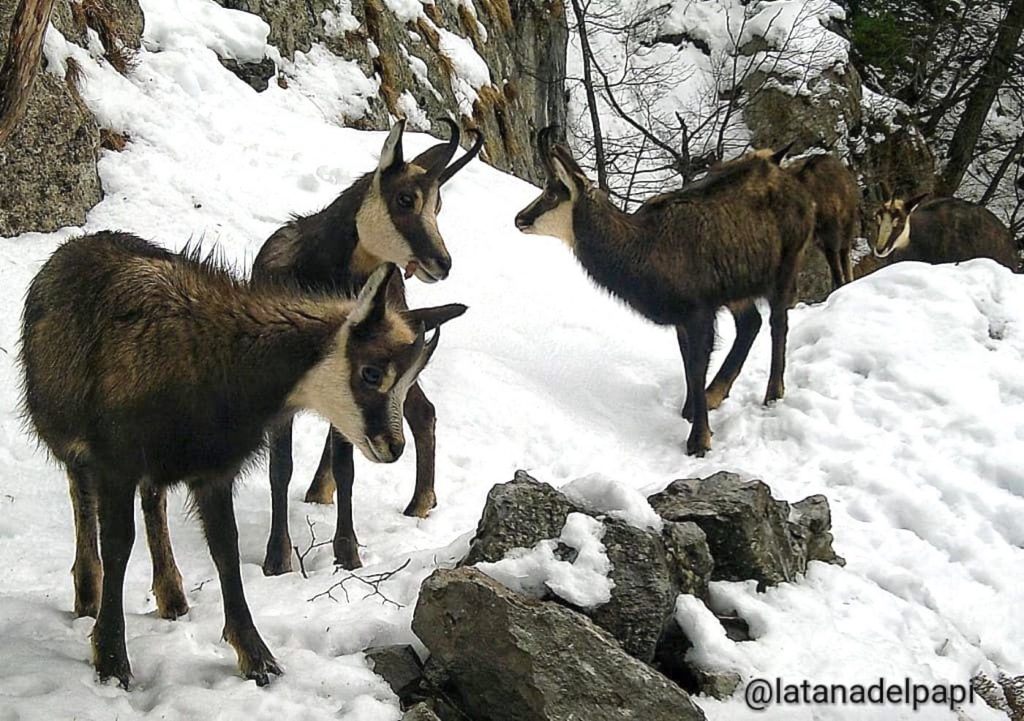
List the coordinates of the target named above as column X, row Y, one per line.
column 904, row 406
column 599, row 494
column 582, row 582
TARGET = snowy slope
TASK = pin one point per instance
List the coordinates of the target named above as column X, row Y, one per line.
column 905, row 406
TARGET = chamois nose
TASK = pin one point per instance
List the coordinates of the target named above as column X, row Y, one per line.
column 522, row 223
column 396, row 448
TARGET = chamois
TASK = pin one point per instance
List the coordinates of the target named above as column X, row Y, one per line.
column 145, row 367
column 837, row 200
column 387, row 215
column 726, row 239
column 941, row 230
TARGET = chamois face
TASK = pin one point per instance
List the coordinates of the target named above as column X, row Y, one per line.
column 374, row 358
column 397, row 222
column 551, row 213
column 893, row 220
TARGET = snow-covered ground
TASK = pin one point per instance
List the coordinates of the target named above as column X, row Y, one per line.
column 904, row 405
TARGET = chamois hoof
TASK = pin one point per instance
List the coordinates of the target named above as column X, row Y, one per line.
column 698, row 445
column 421, row 507
column 277, row 566
column 255, row 660
column 170, row 600
column 112, row 663
column 346, row 554
column 83, row 609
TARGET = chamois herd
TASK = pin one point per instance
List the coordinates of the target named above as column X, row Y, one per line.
column 145, row 368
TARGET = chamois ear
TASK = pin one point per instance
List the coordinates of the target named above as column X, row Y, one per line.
column 391, row 153
column 914, row 202
column 778, row 156
column 431, row 318
column 372, row 301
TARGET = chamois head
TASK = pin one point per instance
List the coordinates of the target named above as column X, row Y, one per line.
column 551, row 213
column 397, row 221
column 375, row 357
column 893, row 218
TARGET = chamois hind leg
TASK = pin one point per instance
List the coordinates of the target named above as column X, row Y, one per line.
column 779, row 303
column 321, row 490
column 699, row 329
column 748, row 323
column 278, row 559
column 687, row 411
column 346, row 547
column 87, row 570
column 419, row 411
column 832, row 245
column 170, row 596
column 216, row 509
column 117, row 534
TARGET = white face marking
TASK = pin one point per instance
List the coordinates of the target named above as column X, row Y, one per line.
column 377, row 232
column 887, row 222
column 557, row 223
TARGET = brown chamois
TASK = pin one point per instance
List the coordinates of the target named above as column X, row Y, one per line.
column 387, row 215
column 941, row 230
column 837, row 200
column 724, row 240
column 148, row 367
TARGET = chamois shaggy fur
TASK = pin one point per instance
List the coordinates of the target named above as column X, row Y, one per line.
column 145, row 368
column 837, row 199
column 387, row 215
column 733, row 236
column 942, row 230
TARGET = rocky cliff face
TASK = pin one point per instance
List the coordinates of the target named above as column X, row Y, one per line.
column 500, row 63
column 48, row 176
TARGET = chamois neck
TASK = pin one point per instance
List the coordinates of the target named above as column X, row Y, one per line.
column 609, row 243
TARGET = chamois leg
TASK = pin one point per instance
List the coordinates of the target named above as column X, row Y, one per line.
column 87, row 570
column 779, row 322
column 346, row 547
column 699, row 329
column 419, row 411
column 117, row 534
column 321, row 490
column 687, row 411
column 748, row 324
column 835, row 265
column 218, row 515
column 170, row 596
column 845, row 254
column 278, row 558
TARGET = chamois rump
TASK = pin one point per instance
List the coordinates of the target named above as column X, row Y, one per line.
column 941, row 230
column 837, row 200
column 147, row 367
column 724, row 240
column 387, row 215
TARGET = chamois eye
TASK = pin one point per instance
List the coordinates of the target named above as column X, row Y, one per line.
column 371, row 375
column 405, row 200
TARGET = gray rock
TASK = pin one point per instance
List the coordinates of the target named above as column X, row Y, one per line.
column 717, row 684
column 750, row 534
column 671, row 660
column 420, row 712
column 649, row 570
column 505, row 657
column 255, row 75
column 399, row 666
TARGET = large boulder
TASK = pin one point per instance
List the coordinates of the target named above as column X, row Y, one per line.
column 502, row 656
column 751, row 534
column 648, row 569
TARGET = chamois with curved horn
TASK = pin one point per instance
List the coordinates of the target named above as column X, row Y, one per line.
column 724, row 240
column 941, row 230
column 145, row 366
column 387, row 215
column 837, row 199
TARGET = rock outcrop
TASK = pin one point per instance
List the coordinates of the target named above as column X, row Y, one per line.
column 506, row 657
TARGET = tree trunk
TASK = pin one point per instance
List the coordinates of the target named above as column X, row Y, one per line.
column 19, row 69
column 588, row 85
column 993, row 74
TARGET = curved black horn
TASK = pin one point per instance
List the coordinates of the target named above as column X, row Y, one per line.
column 459, row 164
column 545, row 138
column 450, row 147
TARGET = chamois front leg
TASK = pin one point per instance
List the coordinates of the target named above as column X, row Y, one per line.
column 170, row 596
column 117, row 534
column 748, row 324
column 699, row 330
column 321, row 490
column 346, row 547
column 218, row 515
column 87, row 570
column 278, row 559
column 419, row 411
column 687, row 411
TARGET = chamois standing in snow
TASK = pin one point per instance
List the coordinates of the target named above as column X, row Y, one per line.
column 387, row 215
column 941, row 230
column 726, row 239
column 147, row 367
column 837, row 201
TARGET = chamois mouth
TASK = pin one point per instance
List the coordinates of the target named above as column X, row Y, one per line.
column 426, row 273
column 375, row 455
column 524, row 226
